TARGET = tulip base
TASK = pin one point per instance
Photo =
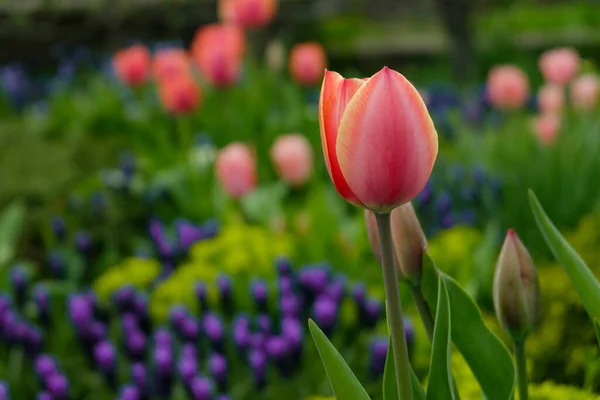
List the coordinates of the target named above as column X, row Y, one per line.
column 521, row 369
column 394, row 308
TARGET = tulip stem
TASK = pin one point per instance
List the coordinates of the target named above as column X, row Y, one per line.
column 424, row 311
column 395, row 319
column 521, row 369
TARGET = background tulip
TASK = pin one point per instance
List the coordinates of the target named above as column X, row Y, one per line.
column 559, row 66
column 546, row 127
column 248, row 13
column 307, row 63
column 507, row 87
column 236, row 169
column 408, row 237
column 378, row 139
column 585, row 91
column 132, row 65
column 551, row 98
column 179, row 94
column 292, row 156
column 170, row 62
column 218, row 50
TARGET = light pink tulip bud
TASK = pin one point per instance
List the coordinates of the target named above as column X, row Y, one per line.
column 236, row 169
column 507, row 87
column 551, row 99
column 408, row 238
column 546, row 127
column 585, row 91
column 559, row 66
column 516, row 288
column 292, row 156
column 307, row 63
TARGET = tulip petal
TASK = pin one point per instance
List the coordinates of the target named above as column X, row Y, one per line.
column 336, row 92
column 386, row 143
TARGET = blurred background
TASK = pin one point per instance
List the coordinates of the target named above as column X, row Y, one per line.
column 167, row 222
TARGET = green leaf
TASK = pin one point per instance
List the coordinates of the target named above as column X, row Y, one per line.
column 390, row 389
column 343, row 381
column 440, row 373
column 582, row 277
column 486, row 355
column 11, row 222
column 597, row 327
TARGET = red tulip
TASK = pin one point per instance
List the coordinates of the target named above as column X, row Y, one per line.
column 585, row 91
column 236, row 169
column 179, row 94
column 546, row 127
column 559, row 66
column 292, row 156
column 132, row 65
column 307, row 63
column 248, row 13
column 551, row 98
column 378, row 139
column 507, row 87
column 218, row 50
column 170, row 62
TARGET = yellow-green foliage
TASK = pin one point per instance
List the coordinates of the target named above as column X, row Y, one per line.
column 239, row 250
column 138, row 272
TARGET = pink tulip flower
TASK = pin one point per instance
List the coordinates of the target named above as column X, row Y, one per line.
column 507, row 87
column 132, row 65
column 585, row 91
column 378, row 139
column 248, row 13
column 559, row 66
column 546, row 128
column 236, row 169
column 307, row 63
column 551, row 99
column 170, row 62
column 179, row 94
column 292, row 156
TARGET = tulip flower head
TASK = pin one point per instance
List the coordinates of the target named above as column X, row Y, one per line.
column 179, row 94
column 408, row 237
column 547, row 127
column 516, row 288
column 378, row 139
column 172, row 62
column 585, row 91
column 218, row 50
column 307, row 63
column 559, row 66
column 236, row 169
column 248, row 13
column 132, row 66
column 507, row 87
column 551, row 99
column 292, row 156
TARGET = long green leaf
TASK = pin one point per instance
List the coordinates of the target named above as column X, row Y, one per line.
column 11, row 222
column 582, row 277
column 597, row 327
column 390, row 389
column 440, row 385
column 486, row 355
column 343, row 381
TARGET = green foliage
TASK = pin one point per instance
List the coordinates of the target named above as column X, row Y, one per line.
column 390, row 388
column 136, row 272
column 11, row 223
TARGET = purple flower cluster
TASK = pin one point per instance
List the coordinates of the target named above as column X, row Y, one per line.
column 54, row 383
column 16, row 330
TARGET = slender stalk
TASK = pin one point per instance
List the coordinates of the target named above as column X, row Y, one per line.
column 521, row 369
column 424, row 311
column 395, row 319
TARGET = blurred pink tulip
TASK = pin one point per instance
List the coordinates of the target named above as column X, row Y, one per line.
column 507, row 87
column 170, row 62
column 248, row 13
column 179, row 94
column 218, row 51
column 292, row 156
column 551, row 99
column 307, row 63
column 546, row 127
column 236, row 169
column 559, row 66
column 378, row 139
column 132, row 65
column 585, row 91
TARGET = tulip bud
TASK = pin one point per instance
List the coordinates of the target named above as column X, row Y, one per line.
column 408, row 237
column 516, row 288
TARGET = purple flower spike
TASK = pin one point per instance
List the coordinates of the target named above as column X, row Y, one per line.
column 213, row 328
column 136, row 345
column 4, row 395
column 258, row 364
column 337, row 289
column 260, row 294
column 314, row 280
column 187, row 368
column 130, row 323
column 58, row 386
column 241, row 333
column 44, row 366
column 264, row 323
column 130, row 392
column 159, row 236
column 178, row 315
column 162, row 337
column 187, row 234
column 377, row 354
column 201, row 294
column 80, row 310
column 283, row 266
column 286, row 285
column 223, row 397
column 19, row 281
column 124, row 298
column 290, row 305
column 42, row 396
column 358, row 293
column 201, row 389
column 139, row 375
column 59, row 227
column 373, row 310
column 225, row 293
column 217, row 364
column 276, row 348
column 83, row 242
column 163, row 360
column 41, row 297
column 105, row 357
column 95, row 332
column 325, row 313
column 56, row 264
column 190, row 329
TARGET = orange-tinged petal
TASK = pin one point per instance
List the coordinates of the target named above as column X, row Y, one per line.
column 386, row 143
column 336, row 92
